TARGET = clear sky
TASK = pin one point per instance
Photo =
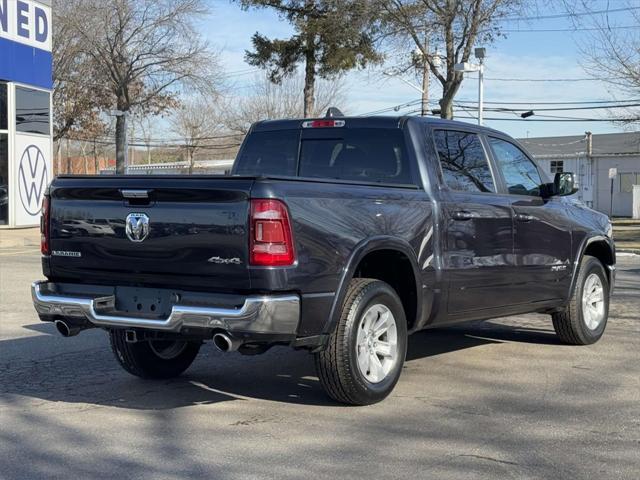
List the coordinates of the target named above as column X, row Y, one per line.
column 522, row 55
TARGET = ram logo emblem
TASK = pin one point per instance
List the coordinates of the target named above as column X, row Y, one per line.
column 137, row 227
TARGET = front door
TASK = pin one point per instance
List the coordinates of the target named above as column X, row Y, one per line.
column 542, row 236
column 477, row 226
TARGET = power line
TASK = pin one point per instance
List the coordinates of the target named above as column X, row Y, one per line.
column 568, row 14
column 576, row 29
column 547, row 109
column 546, row 119
column 583, row 102
column 393, row 108
column 583, row 79
column 533, row 119
column 461, row 103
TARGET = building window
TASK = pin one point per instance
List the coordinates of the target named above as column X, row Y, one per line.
column 32, row 111
column 3, row 106
column 557, row 166
column 628, row 180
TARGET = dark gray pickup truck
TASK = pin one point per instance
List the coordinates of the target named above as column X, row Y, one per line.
column 336, row 235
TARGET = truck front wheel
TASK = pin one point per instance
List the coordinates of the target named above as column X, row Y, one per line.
column 366, row 351
column 583, row 321
column 155, row 359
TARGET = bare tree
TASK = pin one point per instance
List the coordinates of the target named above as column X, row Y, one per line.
column 77, row 93
column 144, row 52
column 271, row 101
column 455, row 25
column 611, row 51
column 196, row 122
column 145, row 125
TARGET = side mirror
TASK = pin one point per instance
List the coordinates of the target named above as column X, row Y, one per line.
column 563, row 185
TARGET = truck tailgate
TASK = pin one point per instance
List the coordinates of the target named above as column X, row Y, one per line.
column 197, row 231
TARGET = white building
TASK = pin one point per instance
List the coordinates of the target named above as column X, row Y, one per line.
column 25, row 109
column 590, row 157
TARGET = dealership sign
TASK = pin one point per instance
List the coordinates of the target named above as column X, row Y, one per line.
column 26, row 22
column 32, row 179
column 33, row 155
column 25, row 42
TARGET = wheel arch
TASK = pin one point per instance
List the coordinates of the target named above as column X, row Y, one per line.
column 365, row 261
column 600, row 247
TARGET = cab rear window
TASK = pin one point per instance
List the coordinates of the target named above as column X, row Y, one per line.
column 269, row 153
column 373, row 155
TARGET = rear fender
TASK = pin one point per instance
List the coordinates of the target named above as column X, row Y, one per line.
column 360, row 251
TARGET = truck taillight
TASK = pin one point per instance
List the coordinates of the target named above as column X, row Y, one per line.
column 271, row 239
column 45, row 220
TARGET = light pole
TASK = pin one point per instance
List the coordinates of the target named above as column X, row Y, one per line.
column 467, row 67
column 479, row 53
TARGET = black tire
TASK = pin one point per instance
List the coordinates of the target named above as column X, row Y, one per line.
column 337, row 365
column 570, row 324
column 142, row 360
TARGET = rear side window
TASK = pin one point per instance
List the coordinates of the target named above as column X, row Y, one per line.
column 365, row 154
column 269, row 153
column 464, row 164
column 520, row 174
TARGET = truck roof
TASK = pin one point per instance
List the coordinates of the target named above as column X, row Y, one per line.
column 397, row 121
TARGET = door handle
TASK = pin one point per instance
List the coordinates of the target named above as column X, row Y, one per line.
column 464, row 215
column 521, row 217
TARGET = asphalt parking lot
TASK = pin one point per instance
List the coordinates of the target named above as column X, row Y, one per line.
column 500, row 399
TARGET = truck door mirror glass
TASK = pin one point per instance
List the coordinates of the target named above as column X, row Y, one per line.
column 563, row 184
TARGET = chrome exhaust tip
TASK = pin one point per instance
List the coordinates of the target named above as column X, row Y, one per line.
column 67, row 330
column 224, row 343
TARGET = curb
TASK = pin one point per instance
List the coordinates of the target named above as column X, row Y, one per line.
column 628, row 251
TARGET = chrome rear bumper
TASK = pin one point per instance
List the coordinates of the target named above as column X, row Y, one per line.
column 271, row 314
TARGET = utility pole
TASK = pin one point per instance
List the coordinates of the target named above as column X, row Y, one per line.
column 481, row 91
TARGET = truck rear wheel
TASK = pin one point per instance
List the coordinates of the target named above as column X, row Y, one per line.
column 154, row 358
column 365, row 354
column 583, row 321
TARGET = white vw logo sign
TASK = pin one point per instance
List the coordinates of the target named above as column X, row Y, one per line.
column 32, row 179
column 137, row 227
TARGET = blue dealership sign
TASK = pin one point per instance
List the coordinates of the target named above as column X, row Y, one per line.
column 25, row 42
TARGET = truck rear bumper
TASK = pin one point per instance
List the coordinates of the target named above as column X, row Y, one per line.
column 268, row 314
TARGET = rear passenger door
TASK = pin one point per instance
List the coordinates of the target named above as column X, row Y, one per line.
column 477, row 228
column 542, row 237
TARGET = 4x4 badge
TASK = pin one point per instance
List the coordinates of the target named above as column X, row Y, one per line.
column 137, row 227
column 225, row 261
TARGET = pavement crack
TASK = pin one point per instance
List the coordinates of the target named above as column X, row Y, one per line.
column 491, row 459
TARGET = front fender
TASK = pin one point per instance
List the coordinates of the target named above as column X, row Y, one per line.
column 584, row 245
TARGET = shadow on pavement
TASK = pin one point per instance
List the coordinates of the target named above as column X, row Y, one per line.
column 82, row 370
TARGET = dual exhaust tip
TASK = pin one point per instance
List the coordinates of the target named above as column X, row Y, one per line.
column 222, row 341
